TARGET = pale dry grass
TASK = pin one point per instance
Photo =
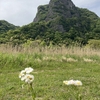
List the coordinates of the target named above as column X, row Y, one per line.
column 71, row 60
column 49, row 51
column 88, row 60
column 68, row 59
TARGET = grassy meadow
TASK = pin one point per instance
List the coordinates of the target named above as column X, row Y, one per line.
column 51, row 67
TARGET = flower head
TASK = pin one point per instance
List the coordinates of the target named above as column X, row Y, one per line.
column 29, row 78
column 26, row 76
column 70, row 82
column 22, row 73
column 77, row 83
column 73, row 82
column 28, row 70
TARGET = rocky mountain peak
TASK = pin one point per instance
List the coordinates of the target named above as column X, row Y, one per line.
column 61, row 12
column 55, row 8
column 64, row 3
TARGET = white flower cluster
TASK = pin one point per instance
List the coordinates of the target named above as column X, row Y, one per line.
column 73, row 82
column 26, row 76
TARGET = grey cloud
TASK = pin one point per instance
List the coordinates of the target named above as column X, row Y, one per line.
column 19, row 12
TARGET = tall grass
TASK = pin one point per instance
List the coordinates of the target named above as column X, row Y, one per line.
column 80, row 51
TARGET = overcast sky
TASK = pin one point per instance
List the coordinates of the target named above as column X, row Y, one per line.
column 22, row 12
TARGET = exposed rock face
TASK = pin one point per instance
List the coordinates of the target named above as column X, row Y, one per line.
column 55, row 8
column 60, row 8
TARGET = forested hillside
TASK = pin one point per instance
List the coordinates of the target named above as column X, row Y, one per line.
column 4, row 28
column 59, row 22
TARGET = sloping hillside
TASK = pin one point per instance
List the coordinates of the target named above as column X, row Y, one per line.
column 6, row 26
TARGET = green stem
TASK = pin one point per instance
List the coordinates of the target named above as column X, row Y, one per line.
column 33, row 92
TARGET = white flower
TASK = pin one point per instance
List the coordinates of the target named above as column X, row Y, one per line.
column 26, row 76
column 66, row 82
column 28, row 70
column 29, row 78
column 70, row 82
column 77, row 83
column 23, row 78
column 22, row 73
column 73, row 82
